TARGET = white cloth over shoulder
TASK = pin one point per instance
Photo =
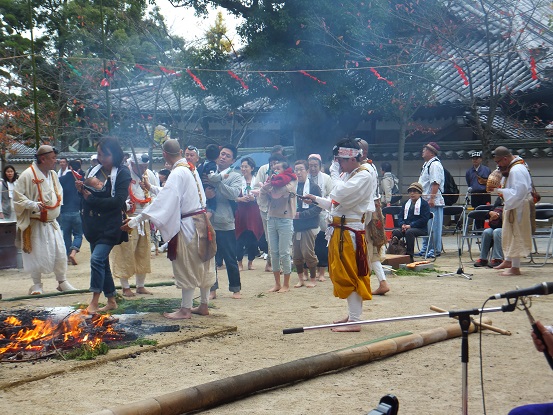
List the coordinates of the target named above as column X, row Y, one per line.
column 351, row 195
column 517, row 187
column 181, row 190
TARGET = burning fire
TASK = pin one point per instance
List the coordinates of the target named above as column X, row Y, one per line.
column 19, row 341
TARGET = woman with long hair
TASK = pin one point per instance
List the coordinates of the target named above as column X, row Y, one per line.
column 249, row 227
column 102, row 213
column 9, row 178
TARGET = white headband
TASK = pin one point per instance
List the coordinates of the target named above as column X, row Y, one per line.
column 346, row 152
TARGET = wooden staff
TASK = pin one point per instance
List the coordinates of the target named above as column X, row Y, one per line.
column 484, row 326
column 229, row 389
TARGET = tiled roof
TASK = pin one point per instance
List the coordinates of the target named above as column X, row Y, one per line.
column 509, row 49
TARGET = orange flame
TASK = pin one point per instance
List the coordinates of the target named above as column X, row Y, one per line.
column 42, row 334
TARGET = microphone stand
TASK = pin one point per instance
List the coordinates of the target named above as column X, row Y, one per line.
column 464, row 317
column 460, row 271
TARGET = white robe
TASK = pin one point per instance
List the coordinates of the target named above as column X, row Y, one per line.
column 354, row 194
column 517, row 232
column 48, row 248
column 181, row 195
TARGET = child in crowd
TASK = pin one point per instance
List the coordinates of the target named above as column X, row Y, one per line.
column 92, row 184
column 209, row 168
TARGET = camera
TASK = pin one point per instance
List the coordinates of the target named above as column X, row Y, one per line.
column 388, row 405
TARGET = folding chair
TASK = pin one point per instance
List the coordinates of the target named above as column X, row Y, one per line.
column 543, row 233
column 470, row 231
column 453, row 211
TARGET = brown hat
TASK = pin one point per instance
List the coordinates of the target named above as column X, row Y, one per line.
column 45, row 149
column 415, row 186
column 433, row 147
column 171, row 147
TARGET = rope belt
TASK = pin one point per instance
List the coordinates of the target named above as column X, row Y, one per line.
column 360, row 247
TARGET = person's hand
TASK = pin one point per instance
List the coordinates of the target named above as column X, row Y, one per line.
column 547, row 339
column 242, row 199
column 85, row 193
column 205, row 179
column 432, row 201
column 494, row 215
column 79, row 185
column 145, row 185
column 309, row 199
column 125, row 227
column 255, row 193
column 209, row 192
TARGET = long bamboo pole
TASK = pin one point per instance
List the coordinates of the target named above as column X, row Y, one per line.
column 483, row 326
column 225, row 390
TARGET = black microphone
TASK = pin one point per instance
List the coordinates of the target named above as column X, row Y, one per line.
column 544, row 288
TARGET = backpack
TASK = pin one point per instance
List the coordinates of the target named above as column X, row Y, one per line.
column 451, row 190
column 396, row 195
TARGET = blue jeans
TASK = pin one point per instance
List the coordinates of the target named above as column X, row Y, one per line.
column 436, row 242
column 100, row 272
column 488, row 236
column 226, row 248
column 280, row 238
column 72, row 228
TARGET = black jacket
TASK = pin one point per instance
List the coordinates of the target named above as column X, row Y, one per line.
column 308, row 218
column 416, row 221
column 102, row 215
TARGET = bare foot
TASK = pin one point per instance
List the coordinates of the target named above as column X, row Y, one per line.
column 127, row 292
column 237, row 296
column 202, row 310
column 268, row 268
column 212, row 295
column 284, row 289
column 343, row 320
column 311, row 284
column 250, row 265
column 240, row 266
column 352, row 328
column 143, row 290
column 72, row 259
column 275, row 289
column 180, row 314
column 305, row 278
column 322, row 279
column 510, row 271
column 503, row 265
column 111, row 305
column 382, row 289
column 221, row 267
column 299, row 284
column 91, row 310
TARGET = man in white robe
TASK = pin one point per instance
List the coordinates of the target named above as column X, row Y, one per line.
column 348, row 203
column 38, row 196
column 374, row 252
column 172, row 213
column 516, row 188
column 133, row 257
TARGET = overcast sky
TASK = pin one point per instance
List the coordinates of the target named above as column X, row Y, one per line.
column 182, row 21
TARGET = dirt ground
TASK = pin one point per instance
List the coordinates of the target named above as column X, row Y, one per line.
column 427, row 380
